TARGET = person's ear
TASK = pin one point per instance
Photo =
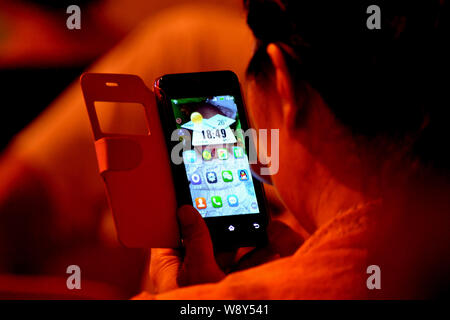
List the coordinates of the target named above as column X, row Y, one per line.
column 284, row 85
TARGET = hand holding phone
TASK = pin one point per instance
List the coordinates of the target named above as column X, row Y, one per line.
column 198, row 263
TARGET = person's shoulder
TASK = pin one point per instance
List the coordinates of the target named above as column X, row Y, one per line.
column 353, row 228
column 332, row 263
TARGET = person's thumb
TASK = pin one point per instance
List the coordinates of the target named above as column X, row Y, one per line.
column 199, row 264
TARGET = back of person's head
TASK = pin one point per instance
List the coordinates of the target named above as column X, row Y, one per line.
column 390, row 82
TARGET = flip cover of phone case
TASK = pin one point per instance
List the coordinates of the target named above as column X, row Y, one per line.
column 135, row 168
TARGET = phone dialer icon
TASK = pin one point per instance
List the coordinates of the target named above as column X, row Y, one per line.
column 216, row 202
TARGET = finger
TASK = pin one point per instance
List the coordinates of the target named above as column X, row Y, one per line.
column 164, row 267
column 255, row 257
column 199, row 264
column 282, row 239
column 227, row 260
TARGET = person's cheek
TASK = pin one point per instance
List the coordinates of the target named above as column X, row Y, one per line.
column 263, row 107
column 281, row 178
column 252, row 105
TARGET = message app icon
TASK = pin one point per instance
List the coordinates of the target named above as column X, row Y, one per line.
column 232, row 200
column 222, row 154
column 216, row 202
column 206, row 155
column 200, row 203
column 227, row 176
column 243, row 175
column 196, row 179
column 238, row 152
column 211, row 177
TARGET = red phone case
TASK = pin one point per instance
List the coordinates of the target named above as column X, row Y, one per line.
column 135, row 168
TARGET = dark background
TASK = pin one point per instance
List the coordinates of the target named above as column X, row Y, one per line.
column 28, row 88
column 26, row 92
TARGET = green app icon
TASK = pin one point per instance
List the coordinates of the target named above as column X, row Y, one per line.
column 227, row 176
column 238, row 152
column 222, row 153
column 206, row 155
column 216, row 201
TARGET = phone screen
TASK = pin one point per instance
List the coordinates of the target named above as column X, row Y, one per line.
column 215, row 157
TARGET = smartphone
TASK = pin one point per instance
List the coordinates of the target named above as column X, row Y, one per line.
column 205, row 123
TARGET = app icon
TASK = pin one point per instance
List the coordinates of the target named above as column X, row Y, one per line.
column 216, row 202
column 254, row 205
column 243, row 175
column 211, row 177
column 200, row 203
column 206, row 155
column 189, row 156
column 238, row 152
column 222, row 154
column 195, row 179
column 233, row 200
column 227, row 176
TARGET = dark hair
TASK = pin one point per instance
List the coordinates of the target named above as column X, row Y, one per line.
column 389, row 82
